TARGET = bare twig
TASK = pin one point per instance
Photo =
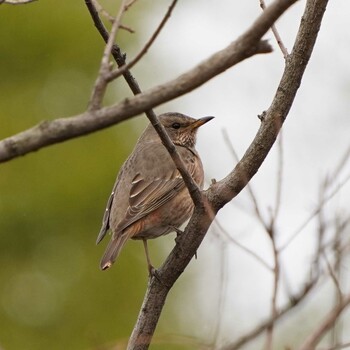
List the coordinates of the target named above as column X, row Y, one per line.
column 295, row 300
column 102, row 11
column 222, row 296
column 280, row 167
column 315, row 212
column 129, row 4
column 324, row 198
column 242, row 247
column 333, row 277
column 249, row 186
column 315, row 337
column 117, row 73
column 276, row 34
column 343, row 161
column 338, row 347
column 276, row 279
column 102, row 81
column 340, row 226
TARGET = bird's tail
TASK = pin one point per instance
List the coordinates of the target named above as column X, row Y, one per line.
column 112, row 251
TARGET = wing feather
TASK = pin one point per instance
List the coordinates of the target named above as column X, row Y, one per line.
column 154, row 193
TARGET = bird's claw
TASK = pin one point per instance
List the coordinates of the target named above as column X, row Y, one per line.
column 178, row 233
column 154, row 273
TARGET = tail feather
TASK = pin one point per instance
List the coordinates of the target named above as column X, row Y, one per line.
column 112, row 251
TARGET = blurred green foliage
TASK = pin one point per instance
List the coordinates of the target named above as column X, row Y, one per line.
column 52, row 294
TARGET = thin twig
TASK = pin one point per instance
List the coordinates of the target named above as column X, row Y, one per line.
column 101, row 81
column 117, row 73
column 295, row 300
column 325, row 199
column 276, row 34
column 103, row 11
column 337, row 347
column 315, row 337
column 222, row 294
column 242, row 247
column 272, row 235
column 314, row 213
column 280, row 166
column 343, row 161
column 340, row 226
column 333, row 277
column 276, row 280
column 109, row 17
column 248, row 186
column 129, row 4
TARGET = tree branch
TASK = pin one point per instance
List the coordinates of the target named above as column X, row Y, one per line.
column 59, row 130
column 272, row 120
column 223, row 191
column 276, row 34
column 117, row 73
column 311, row 342
column 295, row 300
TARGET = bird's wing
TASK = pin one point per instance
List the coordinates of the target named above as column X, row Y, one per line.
column 106, row 215
column 147, row 195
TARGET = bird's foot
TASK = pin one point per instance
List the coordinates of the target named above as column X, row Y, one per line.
column 179, row 233
column 154, row 273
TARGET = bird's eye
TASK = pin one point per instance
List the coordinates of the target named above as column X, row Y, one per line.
column 175, row 125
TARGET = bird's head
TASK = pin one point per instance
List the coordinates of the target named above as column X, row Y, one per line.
column 182, row 129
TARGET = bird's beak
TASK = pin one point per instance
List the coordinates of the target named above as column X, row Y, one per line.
column 200, row 122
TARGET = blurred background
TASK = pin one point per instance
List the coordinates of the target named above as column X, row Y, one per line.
column 52, row 293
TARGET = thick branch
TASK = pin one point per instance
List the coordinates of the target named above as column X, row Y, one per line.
column 63, row 129
column 222, row 192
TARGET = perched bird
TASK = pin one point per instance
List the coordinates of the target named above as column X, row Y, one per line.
column 149, row 198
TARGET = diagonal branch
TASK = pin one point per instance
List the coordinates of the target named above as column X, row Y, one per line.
column 276, row 34
column 316, row 336
column 117, row 73
column 102, row 81
column 294, row 301
column 225, row 190
column 59, row 130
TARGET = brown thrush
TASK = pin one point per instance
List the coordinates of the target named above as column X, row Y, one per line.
column 149, row 198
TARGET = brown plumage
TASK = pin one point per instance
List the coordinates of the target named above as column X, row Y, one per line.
column 149, row 198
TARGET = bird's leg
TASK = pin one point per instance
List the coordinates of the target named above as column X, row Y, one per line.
column 178, row 235
column 178, row 232
column 152, row 272
column 151, row 269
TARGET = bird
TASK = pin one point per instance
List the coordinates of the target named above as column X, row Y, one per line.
column 149, row 198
